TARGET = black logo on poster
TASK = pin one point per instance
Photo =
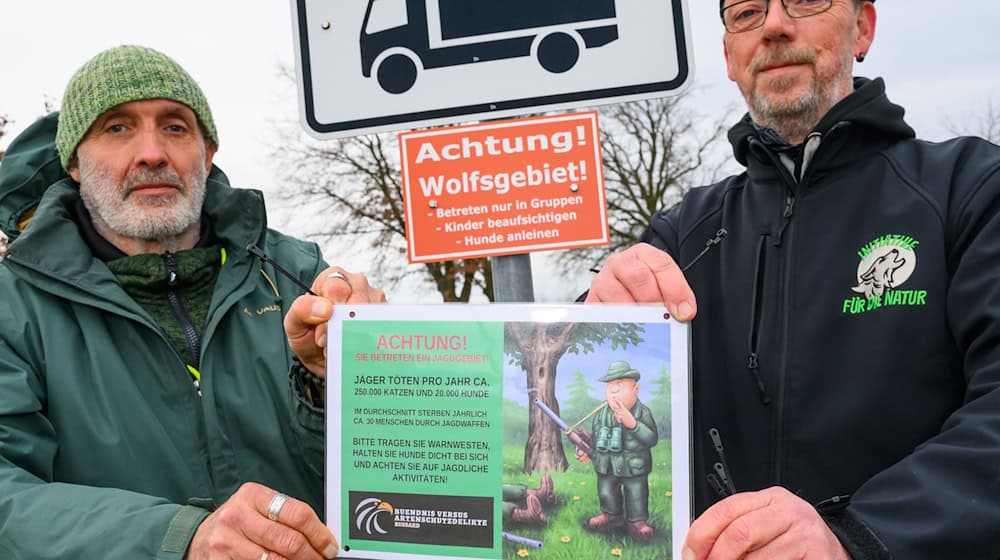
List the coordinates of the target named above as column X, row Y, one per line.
column 422, row 518
column 371, row 514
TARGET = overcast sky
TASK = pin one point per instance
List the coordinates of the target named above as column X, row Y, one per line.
column 941, row 61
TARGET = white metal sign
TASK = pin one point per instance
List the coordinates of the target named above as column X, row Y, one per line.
column 374, row 65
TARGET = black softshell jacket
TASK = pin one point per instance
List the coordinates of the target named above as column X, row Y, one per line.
column 847, row 342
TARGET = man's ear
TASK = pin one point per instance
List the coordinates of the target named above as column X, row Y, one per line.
column 73, row 168
column 866, row 28
column 725, row 54
column 210, row 149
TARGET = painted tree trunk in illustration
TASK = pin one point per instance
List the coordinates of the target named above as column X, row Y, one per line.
column 541, row 345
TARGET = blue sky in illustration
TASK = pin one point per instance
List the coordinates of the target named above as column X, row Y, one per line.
column 648, row 357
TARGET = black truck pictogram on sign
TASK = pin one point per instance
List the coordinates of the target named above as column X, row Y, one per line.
column 401, row 37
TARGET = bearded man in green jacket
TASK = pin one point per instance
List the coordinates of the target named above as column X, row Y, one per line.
column 160, row 388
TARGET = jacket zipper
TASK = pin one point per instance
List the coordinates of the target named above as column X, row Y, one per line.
column 182, row 318
column 783, row 363
column 753, row 359
column 810, row 148
column 788, row 210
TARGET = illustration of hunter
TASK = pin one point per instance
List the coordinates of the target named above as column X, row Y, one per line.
column 624, row 431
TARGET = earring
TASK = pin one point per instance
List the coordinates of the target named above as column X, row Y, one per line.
column 861, row 56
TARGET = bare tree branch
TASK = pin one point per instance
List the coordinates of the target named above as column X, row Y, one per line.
column 354, row 186
column 653, row 152
column 986, row 124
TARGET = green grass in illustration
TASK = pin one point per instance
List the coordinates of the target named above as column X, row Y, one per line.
column 565, row 537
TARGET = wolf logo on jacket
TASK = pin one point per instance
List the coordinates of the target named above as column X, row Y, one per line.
column 886, row 263
column 880, row 274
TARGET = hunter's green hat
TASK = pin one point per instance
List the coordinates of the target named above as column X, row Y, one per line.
column 620, row 370
column 120, row 75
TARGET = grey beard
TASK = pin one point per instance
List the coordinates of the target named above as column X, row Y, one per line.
column 793, row 121
column 796, row 118
column 163, row 223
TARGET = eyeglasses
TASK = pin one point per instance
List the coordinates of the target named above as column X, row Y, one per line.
column 750, row 14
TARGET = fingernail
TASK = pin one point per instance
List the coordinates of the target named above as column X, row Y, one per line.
column 688, row 554
column 330, row 551
column 322, row 341
column 319, row 308
column 684, row 311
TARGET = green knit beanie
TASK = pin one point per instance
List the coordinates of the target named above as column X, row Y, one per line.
column 120, row 75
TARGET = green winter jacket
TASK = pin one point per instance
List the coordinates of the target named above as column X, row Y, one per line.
column 106, row 449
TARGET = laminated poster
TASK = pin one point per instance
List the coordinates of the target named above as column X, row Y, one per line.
column 507, row 431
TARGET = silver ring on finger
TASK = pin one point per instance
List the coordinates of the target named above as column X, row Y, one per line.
column 274, row 509
column 340, row 276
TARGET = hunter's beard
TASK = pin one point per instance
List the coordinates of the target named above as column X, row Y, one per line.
column 792, row 116
column 148, row 218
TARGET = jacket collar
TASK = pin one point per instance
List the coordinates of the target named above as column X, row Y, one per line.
column 59, row 259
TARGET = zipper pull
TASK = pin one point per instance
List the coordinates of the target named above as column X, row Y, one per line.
column 721, row 471
column 195, row 378
column 719, row 236
column 786, row 216
column 754, row 366
column 721, row 467
column 713, row 481
column 170, row 262
column 789, row 207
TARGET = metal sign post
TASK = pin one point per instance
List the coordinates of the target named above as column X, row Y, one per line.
column 512, row 279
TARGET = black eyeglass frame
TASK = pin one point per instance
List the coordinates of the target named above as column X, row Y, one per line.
column 767, row 9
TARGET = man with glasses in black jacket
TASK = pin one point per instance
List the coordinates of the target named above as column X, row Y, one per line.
column 846, row 334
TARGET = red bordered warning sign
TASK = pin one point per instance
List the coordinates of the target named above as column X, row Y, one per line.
column 503, row 188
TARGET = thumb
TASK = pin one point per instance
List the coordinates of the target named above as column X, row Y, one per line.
column 306, row 312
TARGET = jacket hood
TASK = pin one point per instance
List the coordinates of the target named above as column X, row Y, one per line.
column 868, row 108
column 29, row 166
